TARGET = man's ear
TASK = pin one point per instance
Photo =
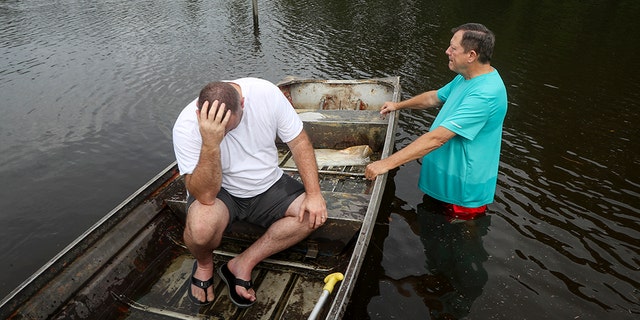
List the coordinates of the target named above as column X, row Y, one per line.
column 473, row 56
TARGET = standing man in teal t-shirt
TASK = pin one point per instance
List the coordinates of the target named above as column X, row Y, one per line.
column 461, row 152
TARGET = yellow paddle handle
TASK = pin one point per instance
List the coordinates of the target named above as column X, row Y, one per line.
column 331, row 280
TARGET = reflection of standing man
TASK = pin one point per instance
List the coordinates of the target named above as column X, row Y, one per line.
column 460, row 154
column 454, row 252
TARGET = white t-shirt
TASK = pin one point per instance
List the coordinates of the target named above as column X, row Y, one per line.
column 248, row 153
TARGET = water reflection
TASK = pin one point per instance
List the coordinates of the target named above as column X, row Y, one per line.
column 421, row 266
column 454, row 253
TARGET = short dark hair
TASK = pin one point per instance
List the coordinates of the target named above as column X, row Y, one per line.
column 221, row 91
column 479, row 38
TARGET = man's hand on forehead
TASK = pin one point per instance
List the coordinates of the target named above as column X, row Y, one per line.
column 212, row 110
column 212, row 121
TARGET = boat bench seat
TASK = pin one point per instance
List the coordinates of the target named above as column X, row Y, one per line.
column 346, row 212
column 339, row 129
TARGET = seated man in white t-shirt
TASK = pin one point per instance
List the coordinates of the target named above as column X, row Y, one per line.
column 224, row 143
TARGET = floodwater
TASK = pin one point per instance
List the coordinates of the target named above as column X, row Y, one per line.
column 89, row 91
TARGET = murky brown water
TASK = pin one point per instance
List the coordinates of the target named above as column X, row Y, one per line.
column 90, row 91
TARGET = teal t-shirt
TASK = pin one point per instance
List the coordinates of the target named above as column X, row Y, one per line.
column 464, row 171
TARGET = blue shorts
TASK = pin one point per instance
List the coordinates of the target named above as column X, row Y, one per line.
column 263, row 209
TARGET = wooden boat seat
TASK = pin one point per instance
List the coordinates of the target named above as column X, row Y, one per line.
column 346, row 212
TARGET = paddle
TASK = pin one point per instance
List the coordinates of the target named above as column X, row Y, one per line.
column 330, row 281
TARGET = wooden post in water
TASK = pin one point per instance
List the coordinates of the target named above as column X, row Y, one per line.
column 255, row 14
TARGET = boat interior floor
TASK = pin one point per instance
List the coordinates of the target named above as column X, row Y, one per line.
column 287, row 284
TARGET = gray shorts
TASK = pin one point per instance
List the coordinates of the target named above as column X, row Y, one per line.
column 263, row 209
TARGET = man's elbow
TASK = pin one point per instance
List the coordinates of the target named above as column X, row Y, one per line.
column 440, row 141
column 434, row 143
column 205, row 198
column 208, row 201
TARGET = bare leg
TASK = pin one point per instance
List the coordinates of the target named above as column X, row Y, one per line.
column 281, row 235
column 202, row 234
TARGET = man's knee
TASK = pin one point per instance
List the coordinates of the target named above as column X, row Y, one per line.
column 206, row 222
column 294, row 207
column 300, row 227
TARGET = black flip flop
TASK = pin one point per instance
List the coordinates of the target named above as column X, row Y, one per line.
column 232, row 282
column 204, row 285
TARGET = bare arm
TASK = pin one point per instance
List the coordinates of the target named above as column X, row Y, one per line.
column 305, row 160
column 206, row 180
column 424, row 100
column 417, row 149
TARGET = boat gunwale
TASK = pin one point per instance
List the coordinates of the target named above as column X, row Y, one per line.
column 344, row 291
column 55, row 266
